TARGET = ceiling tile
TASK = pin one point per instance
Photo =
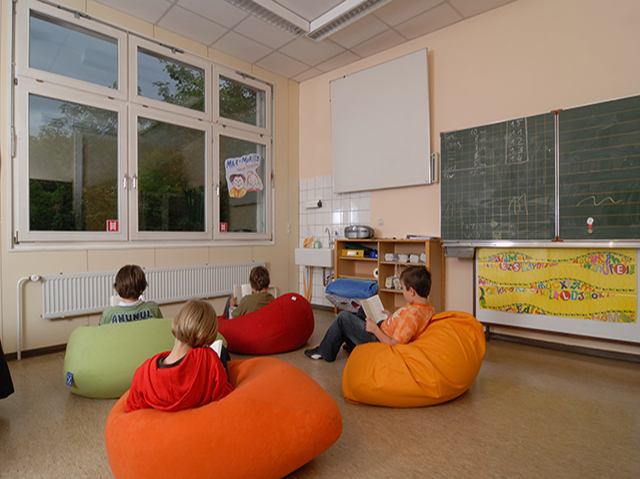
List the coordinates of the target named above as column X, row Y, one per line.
column 282, row 65
column 192, row 26
column 218, row 11
column 263, row 32
column 336, row 62
column 378, row 44
column 242, row 48
column 469, row 8
column 148, row 11
column 311, row 52
column 307, row 75
column 399, row 11
column 309, row 9
column 430, row 21
column 359, row 31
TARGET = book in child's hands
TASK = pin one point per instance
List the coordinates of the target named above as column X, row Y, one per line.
column 217, row 346
column 373, row 308
column 241, row 290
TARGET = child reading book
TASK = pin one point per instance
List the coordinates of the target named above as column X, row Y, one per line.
column 403, row 326
column 239, row 305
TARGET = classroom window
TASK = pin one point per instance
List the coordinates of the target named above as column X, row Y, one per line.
column 170, row 81
column 73, row 166
column 242, row 102
column 121, row 138
column 243, row 186
column 171, row 177
column 66, row 49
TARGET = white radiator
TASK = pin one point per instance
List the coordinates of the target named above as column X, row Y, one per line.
column 76, row 294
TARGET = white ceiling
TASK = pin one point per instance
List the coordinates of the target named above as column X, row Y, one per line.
column 233, row 31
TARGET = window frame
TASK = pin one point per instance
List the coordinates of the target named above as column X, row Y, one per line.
column 129, row 106
column 21, row 186
column 178, row 56
column 136, row 111
column 267, row 183
column 23, row 37
column 253, row 83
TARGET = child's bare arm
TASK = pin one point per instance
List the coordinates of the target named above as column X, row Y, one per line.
column 372, row 327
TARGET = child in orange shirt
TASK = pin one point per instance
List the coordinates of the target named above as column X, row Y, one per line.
column 191, row 374
column 405, row 325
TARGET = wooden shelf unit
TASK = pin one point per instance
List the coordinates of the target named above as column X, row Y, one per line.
column 363, row 268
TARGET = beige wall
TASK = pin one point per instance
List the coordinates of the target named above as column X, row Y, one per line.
column 39, row 333
column 525, row 58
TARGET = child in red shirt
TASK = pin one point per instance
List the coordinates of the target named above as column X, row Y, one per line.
column 191, row 374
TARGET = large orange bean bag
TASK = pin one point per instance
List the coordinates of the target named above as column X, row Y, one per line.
column 438, row 366
column 274, row 421
column 285, row 324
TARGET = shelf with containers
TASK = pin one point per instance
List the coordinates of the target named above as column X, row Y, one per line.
column 393, row 256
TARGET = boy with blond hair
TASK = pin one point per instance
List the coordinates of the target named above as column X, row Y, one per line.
column 191, row 374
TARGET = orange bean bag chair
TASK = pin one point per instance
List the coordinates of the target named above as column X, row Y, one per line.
column 438, row 366
column 285, row 324
column 274, row 421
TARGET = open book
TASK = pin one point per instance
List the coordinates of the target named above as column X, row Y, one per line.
column 373, row 308
column 241, row 290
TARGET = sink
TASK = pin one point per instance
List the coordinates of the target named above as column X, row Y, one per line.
column 315, row 257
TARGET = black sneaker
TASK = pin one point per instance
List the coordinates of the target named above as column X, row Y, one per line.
column 313, row 353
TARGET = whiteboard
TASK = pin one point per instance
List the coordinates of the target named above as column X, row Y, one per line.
column 629, row 332
column 380, row 126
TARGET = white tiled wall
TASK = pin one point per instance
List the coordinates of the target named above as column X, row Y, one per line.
column 337, row 211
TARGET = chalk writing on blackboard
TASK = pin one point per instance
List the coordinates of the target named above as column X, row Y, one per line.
column 498, row 181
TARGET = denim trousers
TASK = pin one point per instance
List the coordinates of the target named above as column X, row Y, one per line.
column 347, row 328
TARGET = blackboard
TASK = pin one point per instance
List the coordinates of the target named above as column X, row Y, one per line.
column 498, row 181
column 600, row 171
column 504, row 181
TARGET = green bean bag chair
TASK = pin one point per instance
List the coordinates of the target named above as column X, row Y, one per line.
column 100, row 360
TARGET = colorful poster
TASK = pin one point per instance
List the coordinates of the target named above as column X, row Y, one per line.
column 242, row 175
column 598, row 285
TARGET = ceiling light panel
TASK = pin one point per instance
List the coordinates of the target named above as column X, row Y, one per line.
column 341, row 16
column 274, row 14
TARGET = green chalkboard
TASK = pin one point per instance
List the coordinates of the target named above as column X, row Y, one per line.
column 498, row 181
column 599, row 171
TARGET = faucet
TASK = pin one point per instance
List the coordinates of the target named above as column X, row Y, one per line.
column 328, row 231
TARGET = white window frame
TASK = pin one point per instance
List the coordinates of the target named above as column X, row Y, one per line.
column 129, row 106
column 163, row 116
column 249, row 81
column 22, row 51
column 21, row 183
column 267, row 183
column 179, row 57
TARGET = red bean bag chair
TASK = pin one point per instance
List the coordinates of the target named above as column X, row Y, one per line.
column 438, row 366
column 276, row 420
column 285, row 324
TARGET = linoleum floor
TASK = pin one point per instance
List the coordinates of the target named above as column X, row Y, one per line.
column 531, row 413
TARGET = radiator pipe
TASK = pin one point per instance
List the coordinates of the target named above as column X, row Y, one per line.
column 33, row 277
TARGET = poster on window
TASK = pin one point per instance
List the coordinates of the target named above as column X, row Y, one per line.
column 242, row 175
column 595, row 285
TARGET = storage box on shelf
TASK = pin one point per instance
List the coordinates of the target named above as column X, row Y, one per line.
column 429, row 251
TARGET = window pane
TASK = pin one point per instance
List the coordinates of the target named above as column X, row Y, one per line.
column 242, row 103
column 242, row 193
column 66, row 49
column 169, row 81
column 171, row 161
column 73, row 166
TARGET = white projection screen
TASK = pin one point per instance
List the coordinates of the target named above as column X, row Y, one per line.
column 380, row 126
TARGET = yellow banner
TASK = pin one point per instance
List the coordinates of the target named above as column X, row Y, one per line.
column 599, row 285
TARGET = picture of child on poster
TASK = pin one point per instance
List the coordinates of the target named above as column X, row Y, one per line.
column 242, row 175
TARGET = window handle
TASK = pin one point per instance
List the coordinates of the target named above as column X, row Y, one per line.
column 135, row 181
column 124, row 182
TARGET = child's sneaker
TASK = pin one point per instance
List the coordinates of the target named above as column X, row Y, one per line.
column 313, row 353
